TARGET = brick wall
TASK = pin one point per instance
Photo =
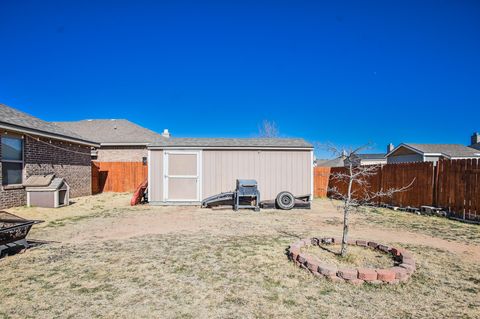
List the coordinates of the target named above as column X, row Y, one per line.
column 121, row 153
column 12, row 197
column 45, row 158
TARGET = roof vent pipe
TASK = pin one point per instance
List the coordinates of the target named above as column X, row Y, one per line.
column 166, row 133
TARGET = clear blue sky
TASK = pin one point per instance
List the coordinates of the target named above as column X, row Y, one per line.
column 346, row 72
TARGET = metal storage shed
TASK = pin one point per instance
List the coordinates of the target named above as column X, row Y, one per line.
column 187, row 170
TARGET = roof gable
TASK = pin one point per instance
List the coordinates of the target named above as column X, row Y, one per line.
column 403, row 150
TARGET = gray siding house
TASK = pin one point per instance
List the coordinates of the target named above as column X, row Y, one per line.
column 187, row 170
column 120, row 140
column 31, row 146
column 363, row 159
column 409, row 152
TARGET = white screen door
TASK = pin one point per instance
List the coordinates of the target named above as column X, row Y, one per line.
column 182, row 176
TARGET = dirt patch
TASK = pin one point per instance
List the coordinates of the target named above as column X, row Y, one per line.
column 108, row 216
column 107, row 259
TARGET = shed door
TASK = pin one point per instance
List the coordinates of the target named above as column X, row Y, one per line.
column 182, row 177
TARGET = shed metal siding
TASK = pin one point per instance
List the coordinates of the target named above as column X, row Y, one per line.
column 275, row 171
column 156, row 176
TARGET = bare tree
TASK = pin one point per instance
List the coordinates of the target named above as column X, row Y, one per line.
column 268, row 129
column 357, row 193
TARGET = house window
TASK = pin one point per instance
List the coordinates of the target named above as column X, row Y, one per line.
column 12, row 160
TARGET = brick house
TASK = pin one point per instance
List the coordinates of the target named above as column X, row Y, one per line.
column 120, row 162
column 120, row 140
column 31, row 146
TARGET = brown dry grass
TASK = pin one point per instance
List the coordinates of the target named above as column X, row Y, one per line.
column 110, row 260
column 361, row 257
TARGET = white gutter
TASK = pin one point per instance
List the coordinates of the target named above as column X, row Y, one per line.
column 465, row 157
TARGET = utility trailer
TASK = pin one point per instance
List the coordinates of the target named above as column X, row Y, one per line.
column 247, row 195
column 284, row 201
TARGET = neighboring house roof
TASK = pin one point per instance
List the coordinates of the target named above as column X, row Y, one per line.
column 476, row 146
column 335, row 162
column 15, row 120
column 371, row 156
column 112, row 132
column 446, row 150
column 233, row 143
column 340, row 162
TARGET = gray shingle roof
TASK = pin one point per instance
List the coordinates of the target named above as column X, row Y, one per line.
column 335, row 162
column 450, row 150
column 233, row 142
column 24, row 122
column 112, row 131
column 371, row 156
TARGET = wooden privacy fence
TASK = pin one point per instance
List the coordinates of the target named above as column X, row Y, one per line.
column 453, row 185
column 320, row 182
column 458, row 188
column 117, row 176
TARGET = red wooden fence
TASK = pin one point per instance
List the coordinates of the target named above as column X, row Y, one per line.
column 458, row 188
column 321, row 176
column 453, row 185
column 117, row 176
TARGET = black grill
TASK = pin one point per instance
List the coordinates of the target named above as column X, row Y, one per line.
column 246, row 194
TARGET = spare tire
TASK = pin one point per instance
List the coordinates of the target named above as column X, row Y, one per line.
column 285, row 200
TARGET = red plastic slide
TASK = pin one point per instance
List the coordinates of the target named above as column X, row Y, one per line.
column 139, row 192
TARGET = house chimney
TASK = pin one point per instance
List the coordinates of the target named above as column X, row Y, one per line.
column 475, row 139
column 390, row 148
column 166, row 133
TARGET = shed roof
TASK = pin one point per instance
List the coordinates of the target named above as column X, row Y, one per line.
column 114, row 131
column 448, row 150
column 232, row 143
column 14, row 119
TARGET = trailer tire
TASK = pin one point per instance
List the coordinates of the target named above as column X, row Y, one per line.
column 285, row 200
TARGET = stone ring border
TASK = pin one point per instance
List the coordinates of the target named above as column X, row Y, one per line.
column 402, row 270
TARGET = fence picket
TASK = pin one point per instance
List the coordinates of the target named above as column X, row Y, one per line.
column 453, row 185
column 117, row 176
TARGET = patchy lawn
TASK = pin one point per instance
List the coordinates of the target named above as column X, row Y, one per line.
column 107, row 259
column 356, row 257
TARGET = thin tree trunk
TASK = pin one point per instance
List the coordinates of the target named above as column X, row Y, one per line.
column 346, row 213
